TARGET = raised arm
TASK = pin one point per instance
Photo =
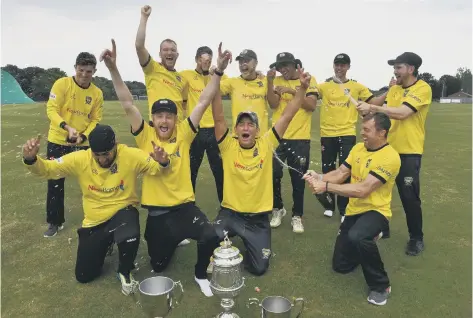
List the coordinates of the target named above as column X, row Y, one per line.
column 294, row 105
column 273, row 98
column 220, row 126
column 48, row 169
column 141, row 50
column 123, row 93
column 212, row 88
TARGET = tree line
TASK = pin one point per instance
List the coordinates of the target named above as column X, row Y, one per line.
column 36, row 82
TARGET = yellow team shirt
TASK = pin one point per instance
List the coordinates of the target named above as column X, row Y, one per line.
column 195, row 84
column 175, row 187
column 161, row 83
column 300, row 126
column 338, row 116
column 105, row 191
column 247, row 96
column 248, row 173
column 407, row 136
column 81, row 108
column 383, row 164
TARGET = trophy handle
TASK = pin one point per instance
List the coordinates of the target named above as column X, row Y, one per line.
column 179, row 299
column 299, row 300
column 252, row 301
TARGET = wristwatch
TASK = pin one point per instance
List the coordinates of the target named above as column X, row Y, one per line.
column 218, row 72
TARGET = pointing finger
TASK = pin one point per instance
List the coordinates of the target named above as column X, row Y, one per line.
column 220, row 49
column 114, row 47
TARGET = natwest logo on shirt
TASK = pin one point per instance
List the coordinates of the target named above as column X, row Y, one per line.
column 248, row 168
column 121, row 187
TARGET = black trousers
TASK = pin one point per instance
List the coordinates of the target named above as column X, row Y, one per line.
column 356, row 245
column 205, row 141
column 55, row 196
column 255, row 232
column 297, row 155
column 333, row 147
column 408, row 185
column 123, row 229
column 164, row 232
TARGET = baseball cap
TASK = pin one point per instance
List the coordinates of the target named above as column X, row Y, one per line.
column 102, row 138
column 285, row 57
column 164, row 105
column 247, row 54
column 203, row 50
column 342, row 58
column 408, row 58
column 249, row 114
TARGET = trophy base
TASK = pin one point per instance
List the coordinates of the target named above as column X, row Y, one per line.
column 227, row 315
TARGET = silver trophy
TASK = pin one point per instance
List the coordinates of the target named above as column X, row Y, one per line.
column 157, row 296
column 277, row 306
column 227, row 280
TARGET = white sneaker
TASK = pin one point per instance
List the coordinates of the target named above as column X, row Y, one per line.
column 129, row 286
column 184, row 242
column 204, row 285
column 297, row 226
column 328, row 213
column 276, row 219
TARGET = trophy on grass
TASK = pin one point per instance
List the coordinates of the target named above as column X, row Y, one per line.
column 227, row 280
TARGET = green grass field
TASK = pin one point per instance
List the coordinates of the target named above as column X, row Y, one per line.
column 38, row 273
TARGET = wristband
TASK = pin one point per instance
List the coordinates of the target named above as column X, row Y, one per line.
column 62, row 125
column 217, row 72
column 83, row 137
column 165, row 165
column 30, row 162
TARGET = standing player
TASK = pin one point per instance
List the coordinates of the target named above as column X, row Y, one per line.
column 338, row 118
column 170, row 200
column 373, row 166
column 205, row 139
column 74, row 108
column 161, row 78
column 408, row 104
column 248, row 174
column 107, row 174
column 295, row 144
column 248, row 91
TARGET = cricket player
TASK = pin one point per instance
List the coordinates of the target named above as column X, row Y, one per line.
column 169, row 199
column 408, row 104
column 338, row 118
column 295, row 144
column 372, row 167
column 205, row 140
column 107, row 174
column 248, row 174
column 247, row 91
column 74, row 108
column 161, row 78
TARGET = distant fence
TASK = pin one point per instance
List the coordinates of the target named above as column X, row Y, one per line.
column 453, row 100
column 136, row 97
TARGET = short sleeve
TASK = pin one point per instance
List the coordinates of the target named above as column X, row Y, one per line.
column 312, row 90
column 387, row 169
column 151, row 66
column 226, row 86
column 142, row 134
column 320, row 88
column 349, row 160
column 225, row 142
column 272, row 138
column 418, row 97
column 187, row 129
column 364, row 93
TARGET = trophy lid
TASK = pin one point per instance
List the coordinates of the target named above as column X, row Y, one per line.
column 226, row 254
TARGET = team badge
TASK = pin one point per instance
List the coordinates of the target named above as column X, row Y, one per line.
column 88, row 100
column 114, row 168
column 368, row 162
column 260, row 84
column 255, row 153
column 178, row 78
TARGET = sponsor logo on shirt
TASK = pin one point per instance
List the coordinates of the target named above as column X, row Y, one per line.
column 121, row 187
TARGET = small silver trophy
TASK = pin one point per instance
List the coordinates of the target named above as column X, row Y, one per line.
column 227, row 280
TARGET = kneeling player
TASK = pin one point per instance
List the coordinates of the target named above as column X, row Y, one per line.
column 107, row 174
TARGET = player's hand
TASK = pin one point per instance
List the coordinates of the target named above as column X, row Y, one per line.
column 145, row 11
column 75, row 141
column 31, row 148
column 212, row 69
column 318, row 186
column 304, row 77
column 223, row 58
column 72, row 135
column 159, row 154
column 392, row 82
column 284, row 90
column 110, row 57
column 363, row 108
column 311, row 174
column 271, row 74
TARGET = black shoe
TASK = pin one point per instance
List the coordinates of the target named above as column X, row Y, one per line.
column 414, row 247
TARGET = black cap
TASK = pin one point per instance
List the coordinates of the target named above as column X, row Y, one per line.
column 247, row 54
column 164, row 105
column 249, row 114
column 342, row 58
column 408, row 58
column 102, row 138
column 285, row 57
column 203, row 50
